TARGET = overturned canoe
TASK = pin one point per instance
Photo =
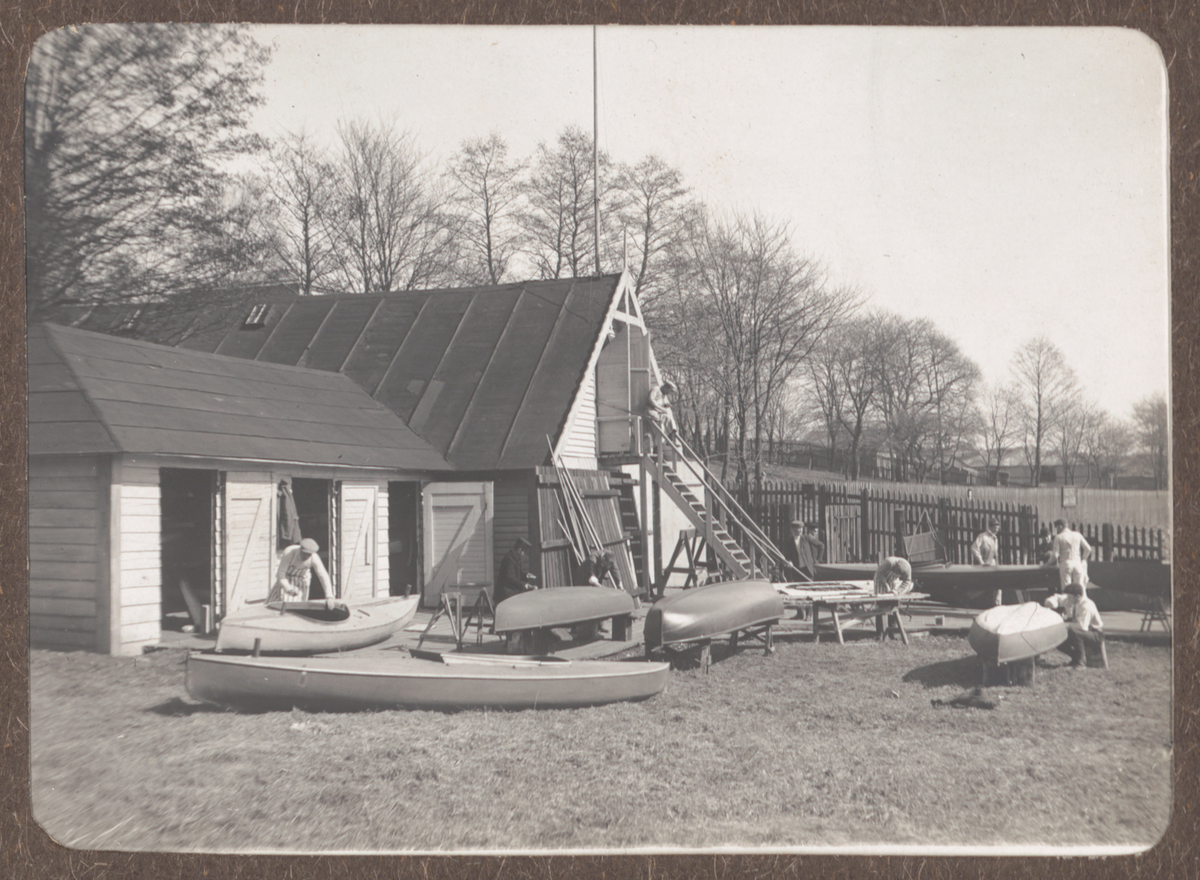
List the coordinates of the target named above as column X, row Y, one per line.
column 712, row 611
column 1007, row 633
column 385, row 679
column 968, row 586
column 561, row 606
column 311, row 628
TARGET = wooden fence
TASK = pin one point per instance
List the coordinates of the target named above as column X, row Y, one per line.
column 860, row 523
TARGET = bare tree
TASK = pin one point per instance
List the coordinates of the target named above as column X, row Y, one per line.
column 300, row 178
column 1075, row 421
column 845, row 382
column 1105, row 447
column 129, row 131
column 763, row 308
column 559, row 220
column 1151, row 425
column 926, row 397
column 1045, row 385
column 486, row 190
column 653, row 216
column 999, row 432
column 389, row 232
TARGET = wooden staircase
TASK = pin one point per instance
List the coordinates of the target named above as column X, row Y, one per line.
column 711, row 513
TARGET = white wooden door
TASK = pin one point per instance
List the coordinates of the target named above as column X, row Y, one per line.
column 359, row 565
column 613, row 402
column 249, row 560
column 457, row 520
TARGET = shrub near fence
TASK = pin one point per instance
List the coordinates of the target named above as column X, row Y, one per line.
column 862, row 525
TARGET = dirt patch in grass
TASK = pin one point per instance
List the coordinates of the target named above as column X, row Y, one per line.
column 815, row 745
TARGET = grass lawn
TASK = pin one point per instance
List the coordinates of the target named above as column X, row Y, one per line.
column 816, row 745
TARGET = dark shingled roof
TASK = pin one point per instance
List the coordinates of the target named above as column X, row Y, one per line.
column 94, row 393
column 483, row 374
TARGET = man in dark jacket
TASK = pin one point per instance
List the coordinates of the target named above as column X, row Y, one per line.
column 805, row 549
column 515, row 576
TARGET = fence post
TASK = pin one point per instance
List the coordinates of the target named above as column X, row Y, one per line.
column 943, row 528
column 898, row 522
column 1106, row 542
column 864, row 522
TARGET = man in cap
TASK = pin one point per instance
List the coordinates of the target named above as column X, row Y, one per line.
column 515, row 576
column 986, row 550
column 297, row 565
column 1072, row 551
column 1084, row 626
column 659, row 413
column 804, row 551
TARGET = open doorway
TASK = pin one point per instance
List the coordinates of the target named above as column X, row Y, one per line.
column 312, row 499
column 186, row 509
column 404, row 515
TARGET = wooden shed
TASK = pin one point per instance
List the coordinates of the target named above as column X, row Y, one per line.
column 503, row 381
column 163, row 484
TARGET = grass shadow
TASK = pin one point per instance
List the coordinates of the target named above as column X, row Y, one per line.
column 178, row 708
column 961, row 672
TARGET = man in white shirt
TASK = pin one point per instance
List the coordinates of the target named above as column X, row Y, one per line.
column 1084, row 626
column 297, row 565
column 894, row 575
column 1072, row 552
column 986, row 551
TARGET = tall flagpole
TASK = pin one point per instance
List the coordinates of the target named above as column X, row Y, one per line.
column 595, row 154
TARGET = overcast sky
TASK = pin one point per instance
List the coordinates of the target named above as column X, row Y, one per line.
column 1006, row 183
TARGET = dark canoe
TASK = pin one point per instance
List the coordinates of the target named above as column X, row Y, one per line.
column 560, row 606
column 310, row 628
column 1129, row 585
column 1007, row 633
column 712, row 611
column 964, row 586
column 382, row 679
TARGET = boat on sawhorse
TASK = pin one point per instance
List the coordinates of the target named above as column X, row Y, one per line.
column 387, row 680
column 963, row 586
column 310, row 628
column 525, row 617
column 697, row 616
column 1007, row 633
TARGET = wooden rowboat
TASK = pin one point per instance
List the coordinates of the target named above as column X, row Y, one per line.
column 310, row 628
column 1007, row 633
column 561, row 606
column 967, row 586
column 384, row 679
column 712, row 611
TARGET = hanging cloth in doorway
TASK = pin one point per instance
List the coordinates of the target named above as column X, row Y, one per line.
column 289, row 520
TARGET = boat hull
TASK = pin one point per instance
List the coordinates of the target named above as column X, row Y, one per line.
column 966, row 586
column 378, row 679
column 1007, row 633
column 301, row 628
column 712, row 611
column 561, row 606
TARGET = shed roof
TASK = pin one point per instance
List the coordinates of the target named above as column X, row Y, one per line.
column 94, row 393
column 484, row 374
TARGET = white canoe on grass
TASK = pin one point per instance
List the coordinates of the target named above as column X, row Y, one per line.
column 310, row 628
column 1007, row 633
column 383, row 679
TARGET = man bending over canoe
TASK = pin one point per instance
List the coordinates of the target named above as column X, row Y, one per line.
column 1084, row 626
column 894, row 575
column 296, row 567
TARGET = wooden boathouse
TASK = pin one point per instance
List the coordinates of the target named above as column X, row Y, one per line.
column 496, row 384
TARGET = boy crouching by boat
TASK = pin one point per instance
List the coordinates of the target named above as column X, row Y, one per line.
column 1085, row 629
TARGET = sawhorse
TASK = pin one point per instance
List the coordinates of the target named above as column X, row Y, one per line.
column 691, row 546
column 450, row 604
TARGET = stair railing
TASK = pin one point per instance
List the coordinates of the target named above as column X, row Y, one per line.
column 723, row 497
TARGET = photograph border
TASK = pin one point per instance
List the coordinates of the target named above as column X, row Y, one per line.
column 27, row 851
